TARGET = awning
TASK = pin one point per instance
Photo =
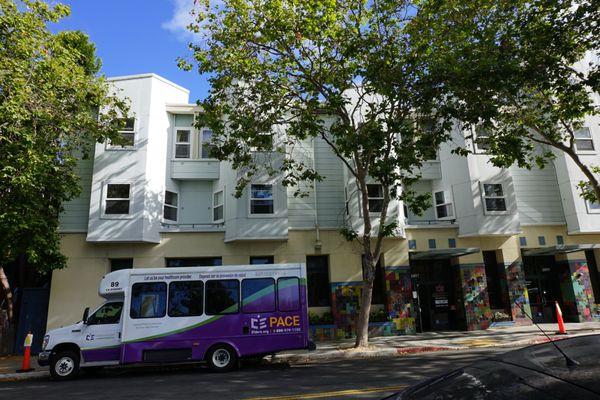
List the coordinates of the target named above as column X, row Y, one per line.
column 441, row 254
column 560, row 249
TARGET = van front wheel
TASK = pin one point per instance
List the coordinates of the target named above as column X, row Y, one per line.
column 64, row 365
column 221, row 358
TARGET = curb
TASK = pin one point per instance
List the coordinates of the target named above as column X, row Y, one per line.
column 15, row 376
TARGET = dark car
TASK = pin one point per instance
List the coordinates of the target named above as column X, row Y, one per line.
column 535, row 372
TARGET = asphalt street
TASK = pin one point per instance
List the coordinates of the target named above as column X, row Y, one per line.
column 362, row 379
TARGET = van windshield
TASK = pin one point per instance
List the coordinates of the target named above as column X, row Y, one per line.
column 109, row 313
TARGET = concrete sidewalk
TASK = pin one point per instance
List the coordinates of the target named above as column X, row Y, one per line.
column 389, row 346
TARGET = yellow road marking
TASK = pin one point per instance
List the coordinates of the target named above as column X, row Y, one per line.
column 320, row 395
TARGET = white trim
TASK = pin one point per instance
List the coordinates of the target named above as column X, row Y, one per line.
column 146, row 76
column 591, row 139
column 374, row 213
column 483, row 197
column 218, row 221
column 176, row 207
column 589, row 209
column 476, row 148
column 190, row 142
column 104, row 198
column 250, row 198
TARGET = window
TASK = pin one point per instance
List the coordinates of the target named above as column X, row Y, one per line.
column 194, row 262
column 148, row 300
column 288, row 294
column 496, row 282
column 218, row 206
column 117, row 199
column 375, row 196
column 317, row 281
column 222, row 296
column 206, row 147
column 185, row 298
column 443, row 205
column 482, row 140
column 378, row 284
column 183, row 143
column 494, row 198
column 109, row 313
column 264, row 142
column 117, row 264
column 583, row 139
column 258, row 295
column 127, row 134
column 258, row 260
column 592, row 207
column 261, row 199
column 170, row 207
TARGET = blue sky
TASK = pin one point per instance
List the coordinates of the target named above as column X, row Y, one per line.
column 135, row 36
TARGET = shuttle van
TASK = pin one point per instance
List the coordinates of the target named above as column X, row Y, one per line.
column 179, row 315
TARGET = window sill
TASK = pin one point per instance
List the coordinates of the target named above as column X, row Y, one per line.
column 255, row 216
column 195, row 159
column 116, row 216
column 125, row 148
column 492, row 213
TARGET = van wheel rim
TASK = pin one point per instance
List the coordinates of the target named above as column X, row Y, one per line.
column 221, row 358
column 64, row 366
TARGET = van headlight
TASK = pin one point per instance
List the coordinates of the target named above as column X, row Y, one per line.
column 45, row 342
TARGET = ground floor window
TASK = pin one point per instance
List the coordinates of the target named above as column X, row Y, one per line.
column 258, row 260
column 117, row 264
column 317, row 271
column 496, row 282
column 193, row 262
column 379, row 296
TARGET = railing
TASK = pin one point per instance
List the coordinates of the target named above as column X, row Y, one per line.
column 193, row 226
column 431, row 222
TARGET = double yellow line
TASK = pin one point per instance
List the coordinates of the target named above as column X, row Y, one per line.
column 351, row 392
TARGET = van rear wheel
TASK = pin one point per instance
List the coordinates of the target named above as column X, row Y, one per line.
column 221, row 358
column 64, row 365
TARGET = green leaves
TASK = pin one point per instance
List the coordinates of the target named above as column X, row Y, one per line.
column 49, row 101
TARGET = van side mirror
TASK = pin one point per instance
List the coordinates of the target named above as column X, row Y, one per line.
column 86, row 314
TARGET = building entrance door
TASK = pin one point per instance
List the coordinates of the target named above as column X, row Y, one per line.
column 542, row 277
column 434, row 281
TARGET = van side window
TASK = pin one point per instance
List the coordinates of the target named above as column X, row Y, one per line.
column 148, row 300
column 185, row 298
column 222, row 296
column 258, row 295
column 109, row 313
column 288, row 294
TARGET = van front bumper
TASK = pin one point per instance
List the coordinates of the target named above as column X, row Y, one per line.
column 43, row 358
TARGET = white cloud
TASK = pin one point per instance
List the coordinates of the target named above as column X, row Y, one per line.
column 181, row 19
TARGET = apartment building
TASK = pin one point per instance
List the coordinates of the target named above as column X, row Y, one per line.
column 496, row 244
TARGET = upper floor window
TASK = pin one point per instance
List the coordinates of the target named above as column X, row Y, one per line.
column 482, row 140
column 183, row 143
column 494, row 197
column 218, row 206
column 127, row 134
column 118, row 198
column 170, row 207
column 583, row 139
column 261, row 199
column 375, row 196
column 205, row 143
column 443, row 205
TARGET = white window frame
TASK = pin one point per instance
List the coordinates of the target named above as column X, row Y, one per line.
column 110, row 147
column 476, row 135
column 590, row 210
column 484, row 197
column 215, row 206
column 374, row 198
column 176, row 207
column 201, row 143
column 250, row 198
column 590, row 139
column 190, row 143
column 105, row 198
column 448, row 202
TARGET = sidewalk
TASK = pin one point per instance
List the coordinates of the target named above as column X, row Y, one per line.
column 389, row 346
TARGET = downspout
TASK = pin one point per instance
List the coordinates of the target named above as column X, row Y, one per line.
column 318, row 234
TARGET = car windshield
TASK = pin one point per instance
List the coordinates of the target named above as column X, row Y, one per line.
column 108, row 313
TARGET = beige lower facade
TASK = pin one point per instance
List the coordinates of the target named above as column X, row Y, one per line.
column 432, row 267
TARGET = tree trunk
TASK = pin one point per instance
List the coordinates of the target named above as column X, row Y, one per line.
column 7, row 294
column 362, row 328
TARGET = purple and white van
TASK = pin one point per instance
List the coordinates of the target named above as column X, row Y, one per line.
column 179, row 315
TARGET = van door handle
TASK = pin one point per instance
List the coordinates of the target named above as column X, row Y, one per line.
column 246, row 330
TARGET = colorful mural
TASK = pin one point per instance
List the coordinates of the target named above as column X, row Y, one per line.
column 583, row 295
column 517, row 293
column 400, row 305
column 475, row 299
column 345, row 305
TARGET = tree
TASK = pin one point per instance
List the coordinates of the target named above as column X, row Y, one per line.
column 526, row 72
column 49, row 103
column 342, row 71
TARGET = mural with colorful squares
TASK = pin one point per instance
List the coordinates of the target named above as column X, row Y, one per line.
column 400, row 303
column 517, row 293
column 475, row 298
column 577, row 292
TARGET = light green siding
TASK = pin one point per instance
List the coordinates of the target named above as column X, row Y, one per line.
column 74, row 218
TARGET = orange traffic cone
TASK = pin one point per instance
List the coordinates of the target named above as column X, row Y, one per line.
column 26, row 366
column 561, row 324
